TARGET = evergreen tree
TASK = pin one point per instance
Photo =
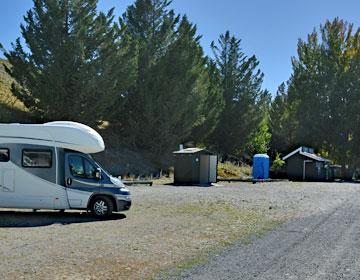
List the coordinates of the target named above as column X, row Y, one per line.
column 322, row 100
column 282, row 124
column 241, row 86
column 71, row 67
column 173, row 83
column 211, row 107
column 352, row 81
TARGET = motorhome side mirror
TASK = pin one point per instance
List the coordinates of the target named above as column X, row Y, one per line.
column 98, row 174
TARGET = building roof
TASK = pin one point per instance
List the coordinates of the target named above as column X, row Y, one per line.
column 306, row 154
column 67, row 135
column 192, row 151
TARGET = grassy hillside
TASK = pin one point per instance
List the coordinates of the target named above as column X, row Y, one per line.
column 11, row 109
column 5, row 88
column 118, row 160
column 5, row 84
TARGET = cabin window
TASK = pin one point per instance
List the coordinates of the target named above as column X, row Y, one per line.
column 81, row 167
column 4, row 155
column 37, row 158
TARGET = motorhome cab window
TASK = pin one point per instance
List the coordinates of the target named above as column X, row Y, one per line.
column 81, row 167
column 90, row 170
column 4, row 155
column 36, row 159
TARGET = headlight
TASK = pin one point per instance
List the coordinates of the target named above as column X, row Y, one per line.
column 124, row 192
column 124, row 197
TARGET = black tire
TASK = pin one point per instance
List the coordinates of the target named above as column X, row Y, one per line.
column 102, row 206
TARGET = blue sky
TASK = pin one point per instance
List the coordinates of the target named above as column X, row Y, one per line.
column 269, row 29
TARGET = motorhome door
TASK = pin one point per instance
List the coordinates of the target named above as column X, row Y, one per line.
column 80, row 179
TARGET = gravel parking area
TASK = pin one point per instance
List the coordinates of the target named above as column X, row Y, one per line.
column 167, row 228
column 323, row 245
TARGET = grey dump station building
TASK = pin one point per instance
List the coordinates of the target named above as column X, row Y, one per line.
column 195, row 166
column 304, row 164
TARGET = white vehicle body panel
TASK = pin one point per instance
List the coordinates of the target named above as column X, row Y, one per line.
column 29, row 191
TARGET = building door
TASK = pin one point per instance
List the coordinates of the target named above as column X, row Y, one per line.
column 204, row 169
column 213, row 169
column 308, row 170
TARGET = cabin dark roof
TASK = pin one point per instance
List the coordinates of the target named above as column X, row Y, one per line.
column 305, row 152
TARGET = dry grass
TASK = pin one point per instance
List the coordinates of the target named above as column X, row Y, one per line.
column 187, row 233
column 230, row 170
column 6, row 97
column 164, row 180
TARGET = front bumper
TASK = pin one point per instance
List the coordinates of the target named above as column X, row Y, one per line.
column 123, row 205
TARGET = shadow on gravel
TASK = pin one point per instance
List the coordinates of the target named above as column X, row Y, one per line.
column 13, row 219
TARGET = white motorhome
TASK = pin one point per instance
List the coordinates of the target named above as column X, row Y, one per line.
column 49, row 166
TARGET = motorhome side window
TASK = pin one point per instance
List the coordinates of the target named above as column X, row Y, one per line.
column 4, row 155
column 81, row 167
column 37, row 158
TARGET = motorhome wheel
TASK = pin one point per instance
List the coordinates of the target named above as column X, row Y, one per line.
column 102, row 206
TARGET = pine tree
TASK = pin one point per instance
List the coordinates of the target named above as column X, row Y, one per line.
column 241, row 86
column 211, row 108
column 68, row 70
column 322, row 99
column 282, row 124
column 173, row 83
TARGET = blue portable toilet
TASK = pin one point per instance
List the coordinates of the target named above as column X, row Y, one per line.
column 261, row 165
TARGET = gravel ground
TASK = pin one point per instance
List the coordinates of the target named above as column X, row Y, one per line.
column 321, row 244
column 168, row 227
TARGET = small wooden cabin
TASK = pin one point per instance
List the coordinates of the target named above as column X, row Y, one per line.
column 304, row 165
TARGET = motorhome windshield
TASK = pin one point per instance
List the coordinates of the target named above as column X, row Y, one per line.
column 99, row 165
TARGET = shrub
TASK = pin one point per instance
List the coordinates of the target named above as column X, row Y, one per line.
column 278, row 163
